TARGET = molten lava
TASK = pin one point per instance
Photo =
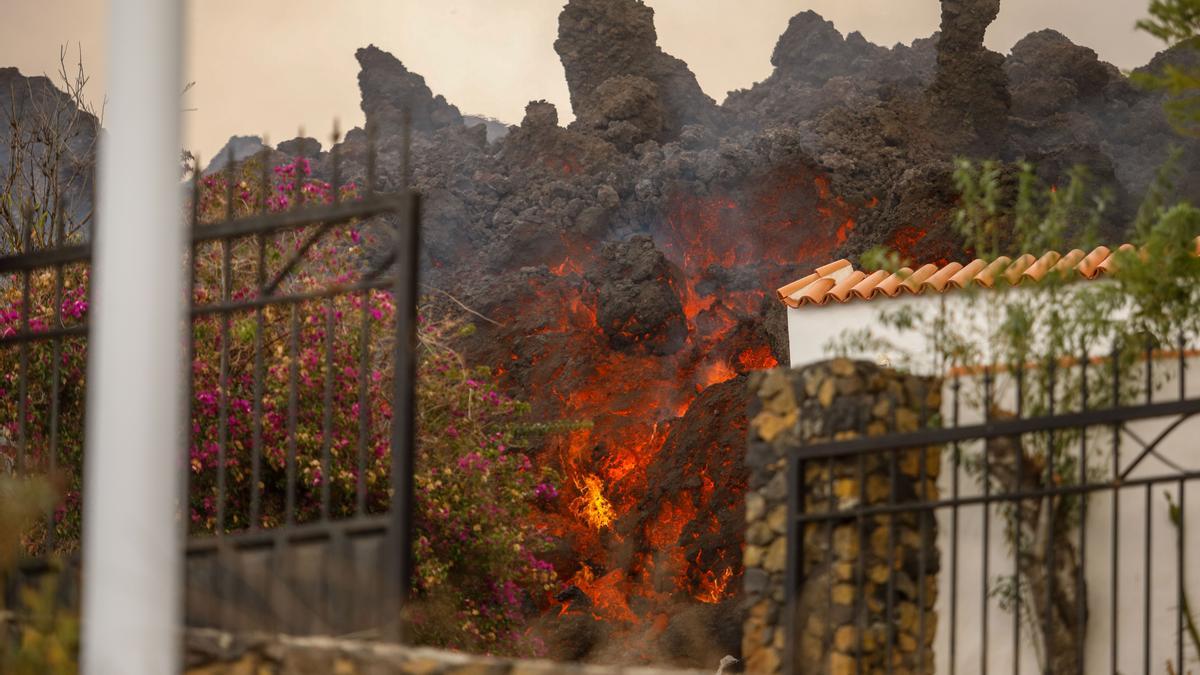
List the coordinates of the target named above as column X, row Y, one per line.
column 713, row 586
column 673, row 533
column 591, row 506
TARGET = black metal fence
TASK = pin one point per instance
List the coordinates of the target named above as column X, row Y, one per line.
column 301, row 395
column 1037, row 519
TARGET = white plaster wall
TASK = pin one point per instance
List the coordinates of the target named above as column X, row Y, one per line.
column 962, row 567
column 812, row 327
column 1137, row 532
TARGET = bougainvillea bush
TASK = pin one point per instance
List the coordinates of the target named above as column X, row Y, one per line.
column 316, row 374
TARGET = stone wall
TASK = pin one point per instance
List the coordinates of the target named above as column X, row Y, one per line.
column 852, row 568
column 212, row 652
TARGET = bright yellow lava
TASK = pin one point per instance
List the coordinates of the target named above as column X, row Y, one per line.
column 591, row 504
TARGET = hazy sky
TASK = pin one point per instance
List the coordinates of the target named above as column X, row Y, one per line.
column 272, row 66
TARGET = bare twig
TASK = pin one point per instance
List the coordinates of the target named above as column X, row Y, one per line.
column 461, row 304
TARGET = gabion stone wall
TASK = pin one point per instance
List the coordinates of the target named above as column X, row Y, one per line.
column 853, row 568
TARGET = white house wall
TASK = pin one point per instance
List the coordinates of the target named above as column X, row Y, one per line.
column 812, row 328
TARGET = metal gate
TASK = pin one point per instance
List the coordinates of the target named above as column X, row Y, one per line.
column 1056, row 538
column 299, row 463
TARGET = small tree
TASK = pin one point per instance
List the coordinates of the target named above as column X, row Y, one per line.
column 46, row 178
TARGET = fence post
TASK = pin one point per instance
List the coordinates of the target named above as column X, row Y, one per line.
column 134, row 459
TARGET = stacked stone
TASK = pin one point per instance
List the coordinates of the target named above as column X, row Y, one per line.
column 867, row 582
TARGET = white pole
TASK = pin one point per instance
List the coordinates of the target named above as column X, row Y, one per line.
column 131, row 554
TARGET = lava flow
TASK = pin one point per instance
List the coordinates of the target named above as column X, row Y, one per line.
column 650, row 513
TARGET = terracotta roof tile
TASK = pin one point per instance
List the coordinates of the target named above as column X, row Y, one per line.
column 1089, row 267
column 968, row 273
column 987, row 276
column 838, row 281
column 891, row 285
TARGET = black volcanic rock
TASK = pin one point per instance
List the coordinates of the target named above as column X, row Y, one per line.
column 970, row 92
column 388, row 87
column 1185, row 54
column 638, row 307
column 494, row 128
column 603, row 39
column 1047, row 73
column 817, row 70
column 811, row 49
column 625, row 110
column 301, row 146
column 236, row 149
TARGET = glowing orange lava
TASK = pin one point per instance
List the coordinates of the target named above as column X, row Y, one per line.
column 633, row 399
column 712, row 586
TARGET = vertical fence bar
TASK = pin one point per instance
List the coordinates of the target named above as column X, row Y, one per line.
column 407, row 244
column 1081, row 570
column 293, row 404
column 327, row 417
column 1146, row 586
column 955, row 466
column 1181, row 599
column 189, row 392
column 56, row 368
column 985, row 598
column 1182, row 341
column 923, row 534
column 1050, row 503
column 257, row 410
column 260, row 327
column 55, row 380
column 23, row 348
column 1115, row 375
column 364, row 405
column 1019, row 507
column 223, row 395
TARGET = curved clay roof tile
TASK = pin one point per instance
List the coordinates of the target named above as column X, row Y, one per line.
column 915, row 283
column 815, row 293
column 892, row 285
column 1110, row 263
column 1069, row 262
column 1089, row 267
column 940, row 278
column 841, row 291
column 968, row 273
column 987, row 276
column 1037, row 271
column 869, row 286
column 786, row 292
column 1016, row 268
column 833, row 268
